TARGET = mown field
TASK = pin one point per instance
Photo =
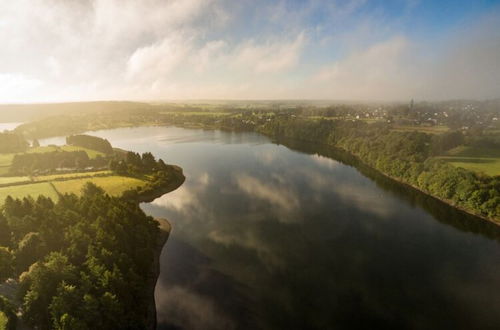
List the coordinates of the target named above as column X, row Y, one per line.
column 67, row 176
column 90, row 153
column 481, row 160
column 5, row 162
column 33, row 189
column 6, row 159
column 55, row 184
column 3, row 321
column 114, row 185
column 423, row 129
column 197, row 113
column 13, row 179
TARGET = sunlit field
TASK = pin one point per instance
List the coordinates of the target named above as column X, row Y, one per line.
column 8, row 180
column 90, row 153
column 481, row 160
column 68, row 176
column 34, row 190
column 3, row 321
column 423, row 129
column 113, row 185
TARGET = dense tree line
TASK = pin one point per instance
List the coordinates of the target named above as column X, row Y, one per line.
column 136, row 164
column 405, row 156
column 11, row 142
column 31, row 163
column 90, row 142
column 83, row 262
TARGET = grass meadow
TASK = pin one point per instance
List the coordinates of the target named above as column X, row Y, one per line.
column 481, row 160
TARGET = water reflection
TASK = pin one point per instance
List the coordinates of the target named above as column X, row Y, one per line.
column 269, row 238
column 8, row 126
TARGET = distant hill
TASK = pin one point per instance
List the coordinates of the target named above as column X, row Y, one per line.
column 29, row 112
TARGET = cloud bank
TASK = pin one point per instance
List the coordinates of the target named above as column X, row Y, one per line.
column 55, row 50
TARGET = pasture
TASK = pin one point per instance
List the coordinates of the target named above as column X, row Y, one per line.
column 13, row 179
column 423, row 129
column 3, row 321
column 51, row 148
column 480, row 160
column 67, row 176
column 113, row 185
column 34, row 190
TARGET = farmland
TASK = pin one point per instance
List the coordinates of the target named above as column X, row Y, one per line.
column 53, row 185
column 13, row 179
column 3, row 321
column 424, row 129
column 52, row 148
column 6, row 159
column 33, row 189
column 67, row 176
column 480, row 160
column 113, row 185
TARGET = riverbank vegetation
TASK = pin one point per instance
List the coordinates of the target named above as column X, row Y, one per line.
column 405, row 156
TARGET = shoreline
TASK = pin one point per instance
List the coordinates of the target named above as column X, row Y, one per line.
column 157, row 192
column 444, row 201
column 165, row 229
column 399, row 181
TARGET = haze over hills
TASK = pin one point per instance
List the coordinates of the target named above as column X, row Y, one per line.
column 34, row 111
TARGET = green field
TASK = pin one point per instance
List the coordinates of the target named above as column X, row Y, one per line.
column 67, row 176
column 197, row 113
column 40, row 150
column 51, row 148
column 481, row 160
column 3, row 321
column 6, row 159
column 423, row 129
column 13, row 179
column 113, row 185
column 34, row 190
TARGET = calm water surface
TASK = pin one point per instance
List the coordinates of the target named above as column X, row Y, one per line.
column 8, row 126
column 265, row 237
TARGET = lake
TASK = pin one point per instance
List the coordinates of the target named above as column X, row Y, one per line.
column 8, row 126
column 273, row 237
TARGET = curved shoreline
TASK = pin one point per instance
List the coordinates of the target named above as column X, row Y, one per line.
column 164, row 232
column 157, row 192
column 165, row 229
column 449, row 203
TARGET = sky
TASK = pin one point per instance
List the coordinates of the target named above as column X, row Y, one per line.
column 356, row 50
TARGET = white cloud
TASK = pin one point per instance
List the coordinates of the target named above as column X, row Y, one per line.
column 269, row 57
column 13, row 86
column 159, row 59
column 159, row 49
column 378, row 72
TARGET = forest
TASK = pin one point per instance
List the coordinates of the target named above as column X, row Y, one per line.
column 82, row 263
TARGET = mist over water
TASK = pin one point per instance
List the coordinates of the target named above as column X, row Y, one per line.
column 8, row 126
column 271, row 238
